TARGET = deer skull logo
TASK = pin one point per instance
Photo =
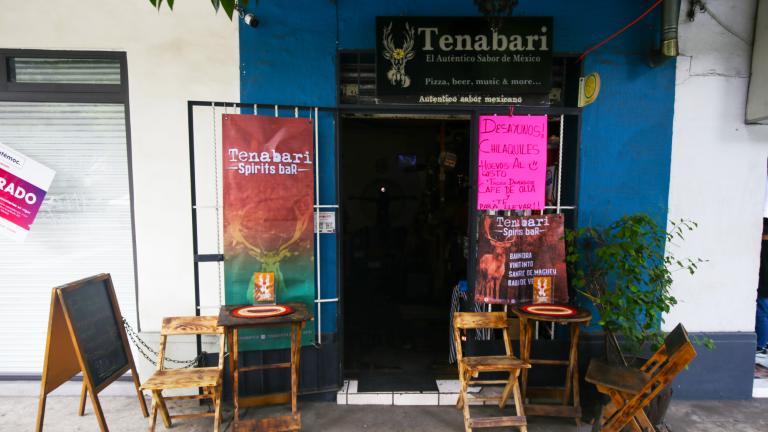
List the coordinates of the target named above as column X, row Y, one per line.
column 398, row 56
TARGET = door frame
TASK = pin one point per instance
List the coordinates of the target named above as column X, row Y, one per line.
column 473, row 112
column 472, row 202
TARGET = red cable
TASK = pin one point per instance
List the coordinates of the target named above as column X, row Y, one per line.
column 581, row 57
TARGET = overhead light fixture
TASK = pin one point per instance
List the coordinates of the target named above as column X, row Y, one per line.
column 495, row 10
column 248, row 18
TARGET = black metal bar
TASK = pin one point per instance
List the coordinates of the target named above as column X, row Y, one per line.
column 474, row 126
column 191, row 132
column 4, row 72
column 339, row 221
column 459, row 109
column 62, row 54
column 9, row 96
column 209, row 257
column 129, row 157
column 64, row 87
column 259, row 105
column 339, row 254
column 403, row 108
column 577, row 172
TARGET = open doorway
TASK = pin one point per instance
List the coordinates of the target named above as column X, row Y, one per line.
column 404, row 199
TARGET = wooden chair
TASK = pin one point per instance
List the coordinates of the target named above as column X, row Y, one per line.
column 208, row 379
column 470, row 367
column 630, row 389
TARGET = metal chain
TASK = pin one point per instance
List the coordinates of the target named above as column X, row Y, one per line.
column 216, row 191
column 142, row 346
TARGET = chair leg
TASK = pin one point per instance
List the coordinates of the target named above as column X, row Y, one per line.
column 460, row 402
column 153, row 414
column 465, row 401
column 614, row 408
column 508, row 388
column 518, row 401
column 158, row 396
column 210, row 392
column 597, row 424
column 643, row 421
column 217, row 410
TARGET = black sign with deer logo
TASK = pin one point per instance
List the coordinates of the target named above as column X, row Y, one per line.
column 470, row 60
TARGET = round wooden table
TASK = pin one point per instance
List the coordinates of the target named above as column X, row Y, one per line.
column 569, row 392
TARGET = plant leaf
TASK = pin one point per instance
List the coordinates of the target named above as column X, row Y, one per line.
column 216, row 4
column 228, row 6
column 170, row 3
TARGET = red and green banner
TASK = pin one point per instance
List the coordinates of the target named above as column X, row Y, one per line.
column 268, row 166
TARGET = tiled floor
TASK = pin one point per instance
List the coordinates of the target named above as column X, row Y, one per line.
column 447, row 394
column 760, row 386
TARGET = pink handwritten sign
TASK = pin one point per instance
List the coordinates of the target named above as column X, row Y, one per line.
column 512, row 163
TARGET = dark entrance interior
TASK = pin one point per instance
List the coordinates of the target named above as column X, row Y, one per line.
column 405, row 208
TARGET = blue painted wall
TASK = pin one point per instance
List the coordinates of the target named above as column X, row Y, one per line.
column 626, row 136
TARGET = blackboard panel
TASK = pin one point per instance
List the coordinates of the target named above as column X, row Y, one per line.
column 90, row 310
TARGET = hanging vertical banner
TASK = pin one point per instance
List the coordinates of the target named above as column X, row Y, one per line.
column 512, row 162
column 521, row 260
column 23, row 185
column 268, row 166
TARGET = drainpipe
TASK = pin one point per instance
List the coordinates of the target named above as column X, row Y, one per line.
column 670, row 15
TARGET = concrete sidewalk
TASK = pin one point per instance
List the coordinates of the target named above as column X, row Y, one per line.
column 17, row 413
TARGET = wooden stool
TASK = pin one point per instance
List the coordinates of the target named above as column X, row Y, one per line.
column 568, row 393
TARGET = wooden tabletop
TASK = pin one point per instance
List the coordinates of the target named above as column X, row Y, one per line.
column 582, row 315
column 300, row 313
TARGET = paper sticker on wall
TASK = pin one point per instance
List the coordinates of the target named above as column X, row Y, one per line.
column 23, row 185
column 325, row 222
column 589, row 88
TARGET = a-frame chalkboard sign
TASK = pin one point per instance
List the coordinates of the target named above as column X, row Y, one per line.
column 86, row 334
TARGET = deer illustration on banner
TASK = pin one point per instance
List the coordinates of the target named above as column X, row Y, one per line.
column 521, row 260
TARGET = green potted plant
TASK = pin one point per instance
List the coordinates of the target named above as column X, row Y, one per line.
column 626, row 269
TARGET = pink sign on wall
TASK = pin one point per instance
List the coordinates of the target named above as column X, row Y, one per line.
column 512, row 163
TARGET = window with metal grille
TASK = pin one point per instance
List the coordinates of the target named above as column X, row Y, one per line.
column 68, row 111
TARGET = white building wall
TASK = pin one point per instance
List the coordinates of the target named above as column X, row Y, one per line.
column 718, row 171
column 188, row 54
